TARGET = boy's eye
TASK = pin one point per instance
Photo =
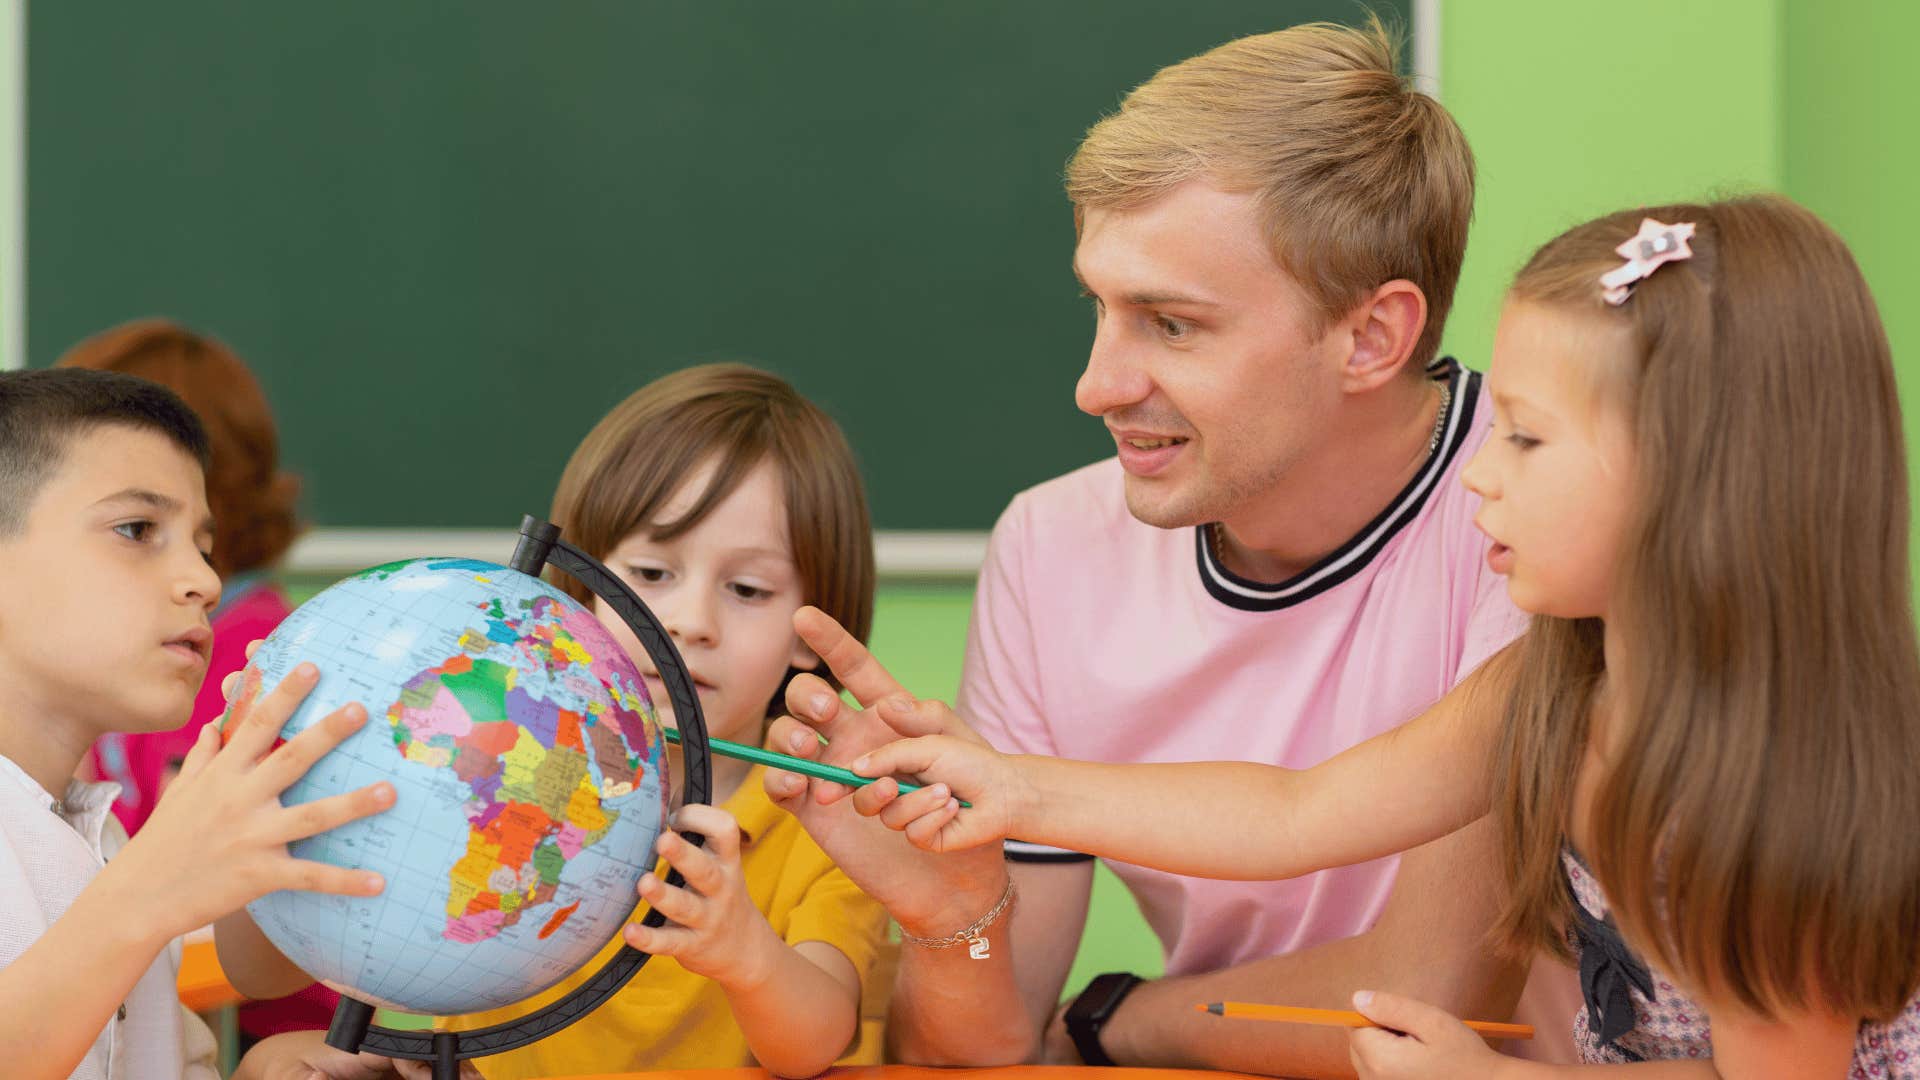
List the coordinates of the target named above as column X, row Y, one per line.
column 1171, row 328
column 652, row 575
column 749, row 592
column 137, row 531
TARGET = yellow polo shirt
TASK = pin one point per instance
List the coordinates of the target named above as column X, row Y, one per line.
column 670, row 1018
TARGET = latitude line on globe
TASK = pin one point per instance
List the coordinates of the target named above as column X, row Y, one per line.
column 776, row 760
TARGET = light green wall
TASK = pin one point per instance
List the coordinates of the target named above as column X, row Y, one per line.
column 1853, row 145
column 1853, row 151
column 1577, row 109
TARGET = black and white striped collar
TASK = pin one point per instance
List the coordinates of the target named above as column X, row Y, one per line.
column 1351, row 557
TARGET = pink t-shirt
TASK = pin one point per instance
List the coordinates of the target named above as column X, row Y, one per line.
column 1097, row 637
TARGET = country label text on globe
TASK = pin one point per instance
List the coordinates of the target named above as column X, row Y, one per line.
column 531, row 776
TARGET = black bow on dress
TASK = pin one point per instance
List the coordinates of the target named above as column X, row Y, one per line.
column 1608, row 973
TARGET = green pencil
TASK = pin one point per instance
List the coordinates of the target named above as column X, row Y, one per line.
column 775, row 760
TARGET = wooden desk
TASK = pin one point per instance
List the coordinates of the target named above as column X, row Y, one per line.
column 918, row 1073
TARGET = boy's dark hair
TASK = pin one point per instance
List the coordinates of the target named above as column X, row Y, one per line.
column 41, row 410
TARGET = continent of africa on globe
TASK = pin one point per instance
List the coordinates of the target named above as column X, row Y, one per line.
column 530, row 772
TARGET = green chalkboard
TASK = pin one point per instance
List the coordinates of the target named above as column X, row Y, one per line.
column 450, row 235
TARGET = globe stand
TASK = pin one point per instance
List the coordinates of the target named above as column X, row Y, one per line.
column 352, row 1029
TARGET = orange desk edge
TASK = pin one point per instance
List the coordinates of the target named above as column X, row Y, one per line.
column 203, row 986
column 920, row 1073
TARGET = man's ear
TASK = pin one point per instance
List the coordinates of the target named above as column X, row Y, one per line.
column 1384, row 328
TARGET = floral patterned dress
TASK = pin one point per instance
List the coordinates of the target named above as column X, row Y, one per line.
column 1634, row 1013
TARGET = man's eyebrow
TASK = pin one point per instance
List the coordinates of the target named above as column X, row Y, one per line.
column 1148, row 299
column 1155, row 299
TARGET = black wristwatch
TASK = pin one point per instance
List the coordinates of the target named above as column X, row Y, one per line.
column 1093, row 1008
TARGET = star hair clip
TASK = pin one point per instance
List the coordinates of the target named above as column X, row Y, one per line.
column 1648, row 250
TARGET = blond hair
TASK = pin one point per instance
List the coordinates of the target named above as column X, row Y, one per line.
column 623, row 473
column 1360, row 179
column 1754, row 828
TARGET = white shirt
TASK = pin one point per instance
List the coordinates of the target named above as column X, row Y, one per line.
column 49, row 852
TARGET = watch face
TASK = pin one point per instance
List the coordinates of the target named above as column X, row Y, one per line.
column 1089, row 1013
column 1101, row 996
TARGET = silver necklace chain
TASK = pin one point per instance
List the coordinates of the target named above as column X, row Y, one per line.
column 1440, row 418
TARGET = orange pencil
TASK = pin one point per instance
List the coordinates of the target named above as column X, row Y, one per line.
column 1294, row 1014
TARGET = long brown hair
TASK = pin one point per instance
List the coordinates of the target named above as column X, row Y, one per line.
column 1754, row 827
column 636, row 457
column 251, row 499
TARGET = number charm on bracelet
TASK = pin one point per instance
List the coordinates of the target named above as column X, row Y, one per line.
column 974, row 936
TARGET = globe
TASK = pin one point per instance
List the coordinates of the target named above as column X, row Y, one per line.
column 530, row 771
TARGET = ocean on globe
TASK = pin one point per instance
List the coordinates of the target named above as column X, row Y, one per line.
column 531, row 777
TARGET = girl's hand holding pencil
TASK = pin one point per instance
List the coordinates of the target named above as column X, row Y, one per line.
column 1397, row 1037
column 1416, row 1041
column 952, row 769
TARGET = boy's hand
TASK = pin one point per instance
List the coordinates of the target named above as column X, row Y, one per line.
column 719, row 933
column 218, row 838
column 1434, row 1046
column 950, row 767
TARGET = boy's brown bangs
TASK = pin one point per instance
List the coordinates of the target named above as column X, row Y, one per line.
column 734, row 463
column 634, row 461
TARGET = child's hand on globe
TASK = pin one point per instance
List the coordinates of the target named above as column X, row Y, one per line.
column 231, row 682
column 218, row 838
column 716, row 931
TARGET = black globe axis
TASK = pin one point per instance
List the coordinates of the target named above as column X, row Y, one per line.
column 352, row 1029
